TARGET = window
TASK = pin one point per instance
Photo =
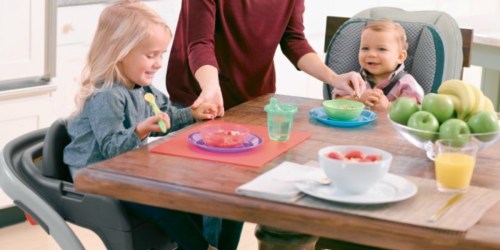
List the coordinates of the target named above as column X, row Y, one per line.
column 27, row 45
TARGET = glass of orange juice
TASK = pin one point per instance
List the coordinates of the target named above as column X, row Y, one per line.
column 454, row 163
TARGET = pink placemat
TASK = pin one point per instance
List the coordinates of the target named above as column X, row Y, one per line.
column 255, row 157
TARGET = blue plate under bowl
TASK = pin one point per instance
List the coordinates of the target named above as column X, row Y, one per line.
column 366, row 117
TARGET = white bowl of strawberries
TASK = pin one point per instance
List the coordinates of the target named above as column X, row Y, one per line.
column 354, row 169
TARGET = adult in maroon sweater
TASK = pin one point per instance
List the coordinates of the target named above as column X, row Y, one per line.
column 223, row 51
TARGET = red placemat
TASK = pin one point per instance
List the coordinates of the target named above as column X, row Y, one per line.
column 256, row 157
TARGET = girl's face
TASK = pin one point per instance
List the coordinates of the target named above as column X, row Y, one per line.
column 380, row 53
column 142, row 62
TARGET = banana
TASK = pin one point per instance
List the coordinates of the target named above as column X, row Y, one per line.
column 488, row 105
column 457, row 105
column 479, row 100
column 463, row 91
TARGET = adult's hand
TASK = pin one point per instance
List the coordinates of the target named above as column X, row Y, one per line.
column 352, row 82
column 211, row 95
column 208, row 78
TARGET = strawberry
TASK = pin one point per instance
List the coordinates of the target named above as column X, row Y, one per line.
column 373, row 158
column 335, row 155
column 354, row 154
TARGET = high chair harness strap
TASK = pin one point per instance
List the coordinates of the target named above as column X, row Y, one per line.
column 394, row 80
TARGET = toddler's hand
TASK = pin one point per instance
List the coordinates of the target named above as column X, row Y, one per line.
column 369, row 97
column 383, row 103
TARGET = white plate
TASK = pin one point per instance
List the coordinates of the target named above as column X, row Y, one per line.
column 390, row 189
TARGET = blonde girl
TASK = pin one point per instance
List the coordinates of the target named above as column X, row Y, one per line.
column 111, row 114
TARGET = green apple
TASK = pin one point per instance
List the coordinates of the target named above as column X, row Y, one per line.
column 402, row 108
column 441, row 106
column 455, row 129
column 483, row 122
column 423, row 120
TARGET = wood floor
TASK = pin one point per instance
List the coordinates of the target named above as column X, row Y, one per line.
column 27, row 237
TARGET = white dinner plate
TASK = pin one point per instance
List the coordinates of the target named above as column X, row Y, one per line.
column 390, row 189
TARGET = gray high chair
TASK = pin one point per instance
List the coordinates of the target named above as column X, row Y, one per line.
column 438, row 51
column 437, row 48
column 33, row 174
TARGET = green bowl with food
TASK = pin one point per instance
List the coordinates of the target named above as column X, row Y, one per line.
column 343, row 110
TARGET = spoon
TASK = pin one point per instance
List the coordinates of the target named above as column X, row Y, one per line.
column 445, row 207
column 150, row 98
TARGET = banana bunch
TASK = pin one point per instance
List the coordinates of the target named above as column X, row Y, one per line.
column 467, row 98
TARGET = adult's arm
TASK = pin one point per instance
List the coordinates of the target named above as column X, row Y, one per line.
column 297, row 49
column 202, row 60
column 349, row 82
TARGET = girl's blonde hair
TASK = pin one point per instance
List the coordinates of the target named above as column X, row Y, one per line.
column 122, row 26
column 389, row 25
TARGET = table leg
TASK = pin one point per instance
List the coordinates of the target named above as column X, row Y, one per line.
column 275, row 239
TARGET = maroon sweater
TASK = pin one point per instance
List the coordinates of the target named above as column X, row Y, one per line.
column 239, row 38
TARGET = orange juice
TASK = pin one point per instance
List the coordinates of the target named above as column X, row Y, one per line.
column 454, row 170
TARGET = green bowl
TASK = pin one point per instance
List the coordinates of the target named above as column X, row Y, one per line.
column 343, row 110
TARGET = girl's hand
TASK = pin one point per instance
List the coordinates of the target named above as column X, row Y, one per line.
column 144, row 128
column 205, row 111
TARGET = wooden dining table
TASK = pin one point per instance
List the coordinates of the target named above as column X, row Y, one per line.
column 208, row 187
